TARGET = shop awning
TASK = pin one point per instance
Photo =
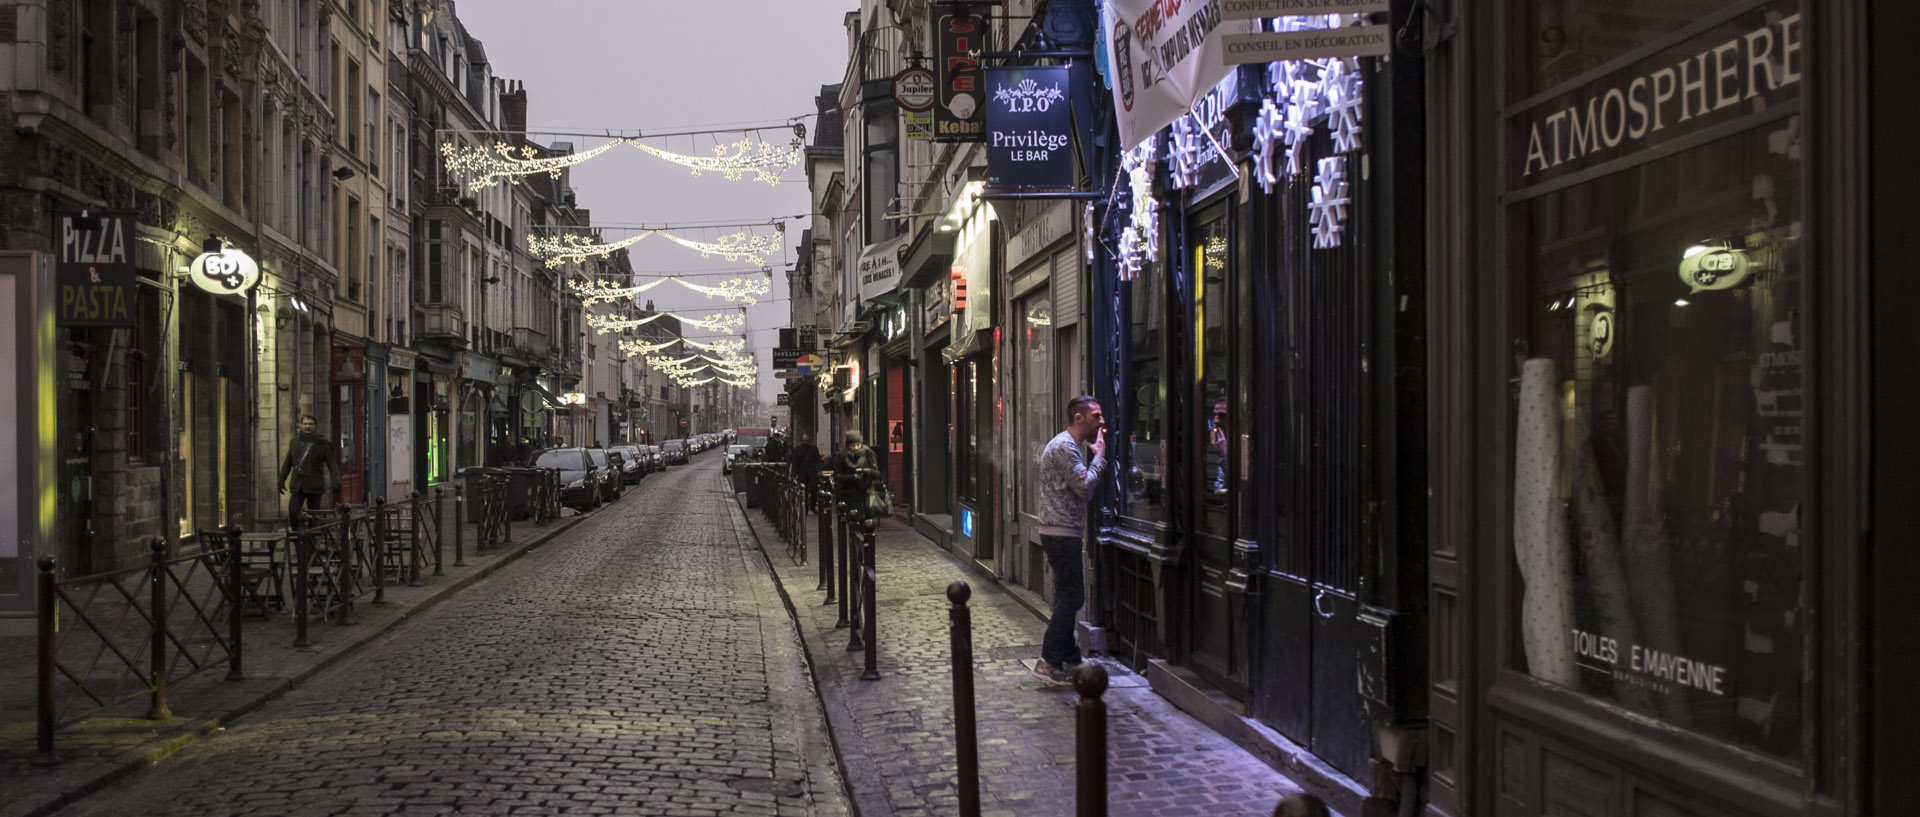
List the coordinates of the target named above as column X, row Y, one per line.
column 551, row 400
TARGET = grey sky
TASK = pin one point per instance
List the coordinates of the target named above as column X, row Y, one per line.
column 658, row 66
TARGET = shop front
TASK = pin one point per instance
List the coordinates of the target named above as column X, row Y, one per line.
column 1041, row 261
column 347, row 404
column 1657, row 586
column 399, row 425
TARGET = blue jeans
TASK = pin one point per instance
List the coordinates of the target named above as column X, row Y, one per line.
column 1059, row 647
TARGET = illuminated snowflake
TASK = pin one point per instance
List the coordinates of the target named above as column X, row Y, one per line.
column 1328, row 210
column 1340, row 86
column 1267, row 129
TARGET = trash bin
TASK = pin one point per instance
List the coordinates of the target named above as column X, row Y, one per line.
column 743, row 481
column 470, row 479
column 520, row 486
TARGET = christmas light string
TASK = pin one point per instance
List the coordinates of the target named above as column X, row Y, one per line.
column 736, row 160
column 740, row 246
column 484, row 167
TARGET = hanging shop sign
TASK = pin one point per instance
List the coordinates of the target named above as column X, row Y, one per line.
column 1710, row 268
column 880, row 267
column 1310, row 44
column 1029, row 127
column 227, row 272
column 914, row 89
column 780, row 399
column 1261, row 9
column 1164, row 57
column 1601, row 332
column 918, row 125
column 785, row 357
column 960, row 37
column 94, row 269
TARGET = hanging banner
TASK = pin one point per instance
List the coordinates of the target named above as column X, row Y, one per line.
column 94, row 269
column 959, row 40
column 1165, row 56
column 1029, row 127
column 880, row 267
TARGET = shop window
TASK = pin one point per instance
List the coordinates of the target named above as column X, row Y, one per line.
column 1211, row 318
column 1557, row 40
column 1145, row 406
column 1036, row 354
column 1660, row 467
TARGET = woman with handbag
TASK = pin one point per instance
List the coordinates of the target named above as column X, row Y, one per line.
column 856, row 475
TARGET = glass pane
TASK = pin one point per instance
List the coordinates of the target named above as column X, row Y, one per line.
column 1209, row 255
column 1146, row 410
column 1660, row 469
column 1036, row 340
column 1557, row 40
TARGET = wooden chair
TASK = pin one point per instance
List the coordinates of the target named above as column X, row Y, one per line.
column 263, row 572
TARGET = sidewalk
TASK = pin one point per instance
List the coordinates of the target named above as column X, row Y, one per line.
column 895, row 735
column 96, row 752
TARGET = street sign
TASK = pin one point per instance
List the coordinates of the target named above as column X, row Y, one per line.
column 780, row 399
column 1355, row 41
column 789, row 375
column 784, row 358
column 914, row 89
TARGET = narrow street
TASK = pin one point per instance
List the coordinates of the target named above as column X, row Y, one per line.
column 640, row 663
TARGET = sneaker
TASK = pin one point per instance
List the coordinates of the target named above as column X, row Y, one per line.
column 1050, row 675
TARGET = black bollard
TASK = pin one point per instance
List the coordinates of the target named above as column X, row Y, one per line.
column 851, row 590
column 867, row 577
column 459, row 526
column 826, row 544
column 840, row 547
column 302, row 559
column 43, row 750
column 380, row 550
column 419, row 508
column 158, row 711
column 236, row 592
column 1090, row 741
column 966, row 740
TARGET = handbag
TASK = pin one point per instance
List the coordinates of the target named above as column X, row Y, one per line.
column 879, row 500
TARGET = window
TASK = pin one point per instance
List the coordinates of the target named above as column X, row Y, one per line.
column 436, row 292
column 881, row 177
column 136, row 367
column 373, row 133
column 1145, row 478
column 1209, row 255
column 350, row 250
column 1661, row 469
column 350, row 92
column 1036, row 355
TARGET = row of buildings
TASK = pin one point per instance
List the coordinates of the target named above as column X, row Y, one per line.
column 1492, row 395
column 222, row 216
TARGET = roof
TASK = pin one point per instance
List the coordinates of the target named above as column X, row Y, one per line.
column 830, row 128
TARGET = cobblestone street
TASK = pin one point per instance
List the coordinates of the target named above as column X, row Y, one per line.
column 640, row 663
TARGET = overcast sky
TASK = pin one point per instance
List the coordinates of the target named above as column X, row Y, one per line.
column 594, row 66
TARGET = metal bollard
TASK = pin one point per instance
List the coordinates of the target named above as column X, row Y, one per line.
column 418, row 519
column 43, row 751
column 840, row 546
column 1090, row 741
column 413, row 544
column 966, row 740
column 826, row 544
column 867, row 576
column 236, row 592
column 506, row 513
column 158, row 710
column 380, row 550
column 459, row 526
column 303, row 557
column 851, row 590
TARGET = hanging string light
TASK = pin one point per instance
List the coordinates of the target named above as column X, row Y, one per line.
column 735, row 161
column 741, row 246
column 593, row 291
column 568, row 248
column 484, row 167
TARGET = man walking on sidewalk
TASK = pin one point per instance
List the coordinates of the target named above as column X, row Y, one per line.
column 308, row 471
column 1066, row 482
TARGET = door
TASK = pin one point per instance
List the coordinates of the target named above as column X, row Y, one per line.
column 1035, row 413
column 1218, row 635
column 349, row 418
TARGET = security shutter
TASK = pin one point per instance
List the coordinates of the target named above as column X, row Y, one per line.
column 1066, row 287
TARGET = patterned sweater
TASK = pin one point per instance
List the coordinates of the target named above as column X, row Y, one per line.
column 1066, row 481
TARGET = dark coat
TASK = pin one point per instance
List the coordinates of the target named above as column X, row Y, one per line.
column 310, row 466
column 805, row 460
column 853, row 474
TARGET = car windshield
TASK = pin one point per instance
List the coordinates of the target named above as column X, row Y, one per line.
column 625, row 450
column 599, row 458
column 752, row 440
column 674, row 445
column 565, row 459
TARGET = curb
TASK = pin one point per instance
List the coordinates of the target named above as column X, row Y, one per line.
column 167, row 745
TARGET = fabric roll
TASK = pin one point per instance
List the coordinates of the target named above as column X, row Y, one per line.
column 1644, row 544
column 1540, row 530
column 1608, row 604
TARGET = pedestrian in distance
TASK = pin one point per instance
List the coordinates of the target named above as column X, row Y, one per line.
column 1067, row 477
column 805, row 461
column 855, row 473
column 309, row 471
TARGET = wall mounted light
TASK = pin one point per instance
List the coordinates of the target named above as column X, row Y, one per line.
column 343, row 173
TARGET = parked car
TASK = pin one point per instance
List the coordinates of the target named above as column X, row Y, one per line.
column 579, row 478
column 609, row 473
column 659, row 460
column 734, row 453
column 675, row 452
column 634, row 462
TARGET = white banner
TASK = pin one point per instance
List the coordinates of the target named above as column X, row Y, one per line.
column 880, row 267
column 1164, row 57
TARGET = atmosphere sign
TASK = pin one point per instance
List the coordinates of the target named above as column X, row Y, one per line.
column 1029, row 127
column 94, row 269
column 959, row 111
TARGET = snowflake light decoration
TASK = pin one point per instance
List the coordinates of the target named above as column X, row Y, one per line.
column 1186, row 153
column 1328, row 210
column 1140, row 239
column 1267, row 128
column 1340, row 85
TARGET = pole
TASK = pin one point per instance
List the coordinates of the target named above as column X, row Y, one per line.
column 1090, row 742
column 840, row 546
column 236, row 592
column 459, row 526
column 419, row 508
column 966, row 740
column 824, row 501
column 380, row 534
column 303, row 557
column 873, row 635
column 44, row 599
column 158, row 582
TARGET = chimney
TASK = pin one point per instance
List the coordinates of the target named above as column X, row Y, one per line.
column 649, row 305
column 513, row 108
